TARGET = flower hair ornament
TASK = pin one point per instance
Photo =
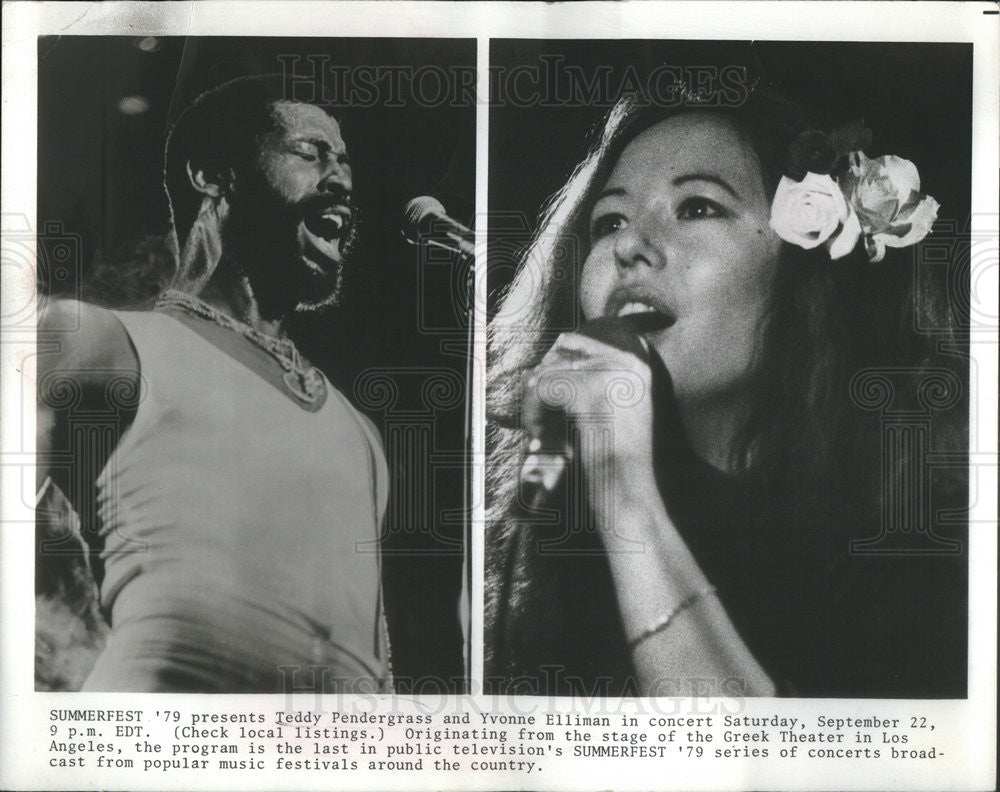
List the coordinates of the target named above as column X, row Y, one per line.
column 833, row 194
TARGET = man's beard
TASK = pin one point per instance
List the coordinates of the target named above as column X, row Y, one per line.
column 261, row 238
column 319, row 303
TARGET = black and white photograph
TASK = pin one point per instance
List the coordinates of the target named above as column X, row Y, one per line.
column 252, row 412
column 727, row 387
column 499, row 395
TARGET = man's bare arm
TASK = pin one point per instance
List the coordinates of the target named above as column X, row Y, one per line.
column 88, row 371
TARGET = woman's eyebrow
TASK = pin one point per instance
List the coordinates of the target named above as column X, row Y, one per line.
column 610, row 191
column 709, row 178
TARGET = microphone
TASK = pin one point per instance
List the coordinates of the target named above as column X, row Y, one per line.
column 549, row 448
column 426, row 222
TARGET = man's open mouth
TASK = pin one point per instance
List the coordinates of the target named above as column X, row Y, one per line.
column 329, row 224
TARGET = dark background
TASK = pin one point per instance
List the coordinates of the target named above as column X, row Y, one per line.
column 916, row 99
column 100, row 162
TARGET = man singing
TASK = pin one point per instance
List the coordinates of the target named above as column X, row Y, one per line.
column 233, row 507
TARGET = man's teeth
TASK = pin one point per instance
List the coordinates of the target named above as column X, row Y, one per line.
column 335, row 218
column 630, row 308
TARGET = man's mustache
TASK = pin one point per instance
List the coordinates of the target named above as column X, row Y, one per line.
column 321, row 203
column 271, row 221
column 297, row 210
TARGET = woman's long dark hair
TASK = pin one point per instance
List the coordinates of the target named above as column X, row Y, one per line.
column 827, row 320
column 809, row 442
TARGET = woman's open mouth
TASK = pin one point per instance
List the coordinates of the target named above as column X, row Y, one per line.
column 645, row 312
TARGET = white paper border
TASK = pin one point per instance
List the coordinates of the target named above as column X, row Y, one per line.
column 22, row 712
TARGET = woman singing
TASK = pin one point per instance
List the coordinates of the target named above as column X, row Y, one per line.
column 716, row 530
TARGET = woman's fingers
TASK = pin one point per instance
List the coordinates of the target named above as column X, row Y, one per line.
column 600, row 389
column 582, row 376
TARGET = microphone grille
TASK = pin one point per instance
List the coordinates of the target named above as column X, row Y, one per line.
column 419, row 210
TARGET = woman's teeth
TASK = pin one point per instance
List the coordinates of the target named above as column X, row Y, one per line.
column 631, row 308
column 644, row 317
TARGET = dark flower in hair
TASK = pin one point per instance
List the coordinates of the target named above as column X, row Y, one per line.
column 852, row 136
column 810, row 152
column 826, row 154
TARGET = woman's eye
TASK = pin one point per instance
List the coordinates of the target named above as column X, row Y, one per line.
column 700, row 209
column 607, row 224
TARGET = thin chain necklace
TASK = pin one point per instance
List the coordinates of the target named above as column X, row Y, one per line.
column 302, row 379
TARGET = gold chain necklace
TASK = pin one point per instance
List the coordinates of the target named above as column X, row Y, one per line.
column 302, row 379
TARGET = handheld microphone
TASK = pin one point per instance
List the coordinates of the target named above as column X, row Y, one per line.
column 550, row 450
column 426, row 222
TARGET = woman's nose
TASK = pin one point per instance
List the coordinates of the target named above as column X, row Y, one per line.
column 634, row 247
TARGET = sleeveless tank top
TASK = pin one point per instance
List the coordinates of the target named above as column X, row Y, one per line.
column 240, row 531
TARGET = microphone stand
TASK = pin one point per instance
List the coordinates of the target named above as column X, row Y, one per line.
column 448, row 239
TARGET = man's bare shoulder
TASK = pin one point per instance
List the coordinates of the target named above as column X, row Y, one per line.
column 84, row 338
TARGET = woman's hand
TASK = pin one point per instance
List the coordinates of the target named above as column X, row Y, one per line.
column 606, row 393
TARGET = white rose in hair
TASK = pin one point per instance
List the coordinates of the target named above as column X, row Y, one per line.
column 812, row 212
column 885, row 193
